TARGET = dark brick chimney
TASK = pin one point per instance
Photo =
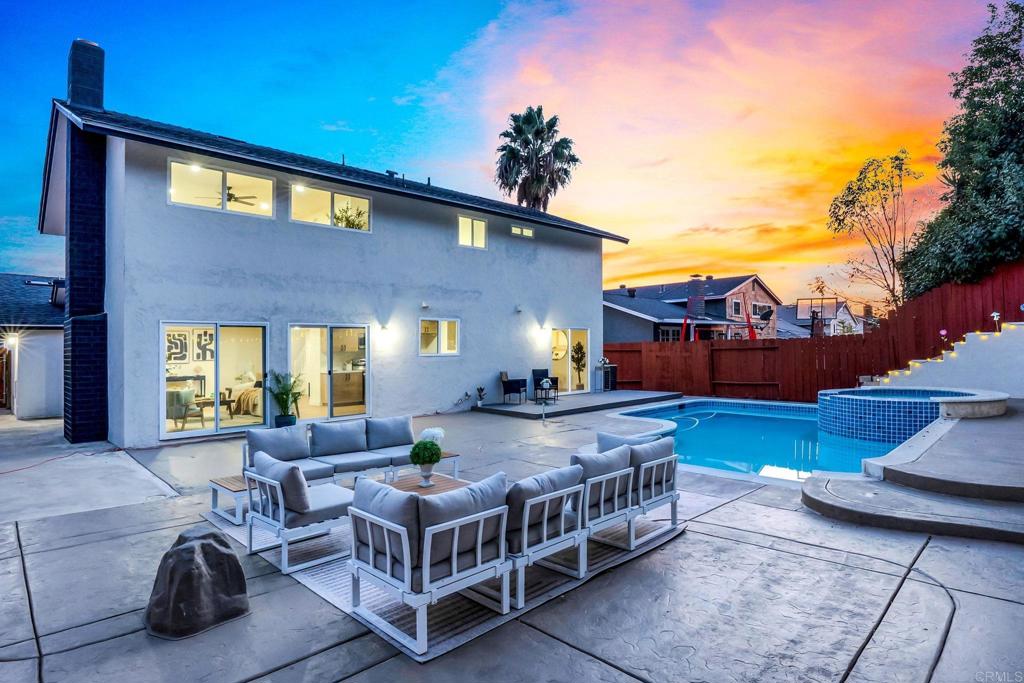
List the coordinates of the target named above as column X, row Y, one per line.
column 695, row 297
column 85, row 74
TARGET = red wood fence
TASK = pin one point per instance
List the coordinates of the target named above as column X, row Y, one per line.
column 796, row 369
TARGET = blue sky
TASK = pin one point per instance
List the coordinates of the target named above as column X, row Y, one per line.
column 318, row 78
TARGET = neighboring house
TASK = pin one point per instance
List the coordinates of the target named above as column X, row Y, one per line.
column 714, row 308
column 196, row 263
column 845, row 321
column 32, row 337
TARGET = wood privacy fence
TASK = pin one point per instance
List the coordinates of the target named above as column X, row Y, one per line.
column 796, row 369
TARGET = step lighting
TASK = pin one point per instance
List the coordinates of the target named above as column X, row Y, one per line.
column 952, row 354
column 983, row 337
column 906, row 373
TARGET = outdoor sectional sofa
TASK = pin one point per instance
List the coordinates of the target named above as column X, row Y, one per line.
column 336, row 450
column 420, row 549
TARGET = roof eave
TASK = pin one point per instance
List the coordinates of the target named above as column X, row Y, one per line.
column 107, row 129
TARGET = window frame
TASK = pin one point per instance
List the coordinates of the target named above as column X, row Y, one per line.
column 331, row 225
column 367, row 377
column 754, row 306
column 735, row 308
column 522, row 231
column 224, row 170
column 439, row 320
column 674, row 334
column 472, row 218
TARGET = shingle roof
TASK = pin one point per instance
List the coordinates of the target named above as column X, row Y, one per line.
column 713, row 288
column 653, row 308
column 25, row 305
column 124, row 125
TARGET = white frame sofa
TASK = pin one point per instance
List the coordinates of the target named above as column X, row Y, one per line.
column 420, row 549
column 281, row 502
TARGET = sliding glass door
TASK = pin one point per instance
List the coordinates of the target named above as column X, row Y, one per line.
column 331, row 362
column 570, row 359
column 213, row 377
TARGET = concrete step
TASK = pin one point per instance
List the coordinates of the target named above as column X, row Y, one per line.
column 883, row 504
column 914, row 477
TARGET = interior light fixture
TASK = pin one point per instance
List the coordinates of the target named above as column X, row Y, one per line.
column 195, row 168
column 264, row 206
column 300, row 188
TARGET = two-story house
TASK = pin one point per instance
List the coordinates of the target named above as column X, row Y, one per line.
column 196, row 263
column 712, row 307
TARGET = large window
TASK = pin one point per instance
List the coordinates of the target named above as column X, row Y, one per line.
column 472, row 232
column 758, row 309
column 214, row 188
column 331, row 363
column 439, row 337
column 312, row 205
column 213, row 377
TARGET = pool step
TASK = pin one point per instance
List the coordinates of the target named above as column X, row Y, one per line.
column 912, row 476
column 891, row 506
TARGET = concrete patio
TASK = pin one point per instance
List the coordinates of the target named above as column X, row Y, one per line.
column 758, row 589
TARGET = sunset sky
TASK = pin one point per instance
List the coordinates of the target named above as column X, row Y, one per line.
column 713, row 134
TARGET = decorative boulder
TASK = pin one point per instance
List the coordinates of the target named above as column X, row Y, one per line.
column 199, row 585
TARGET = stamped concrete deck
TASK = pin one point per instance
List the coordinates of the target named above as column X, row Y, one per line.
column 758, row 589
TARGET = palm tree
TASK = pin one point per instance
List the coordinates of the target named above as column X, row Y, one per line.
column 533, row 161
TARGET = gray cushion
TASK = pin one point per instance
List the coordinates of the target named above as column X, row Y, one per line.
column 438, row 570
column 597, row 464
column 486, row 494
column 538, row 485
column 289, row 475
column 327, row 501
column 606, row 441
column 355, row 462
column 535, row 532
column 638, row 455
column 392, row 505
column 283, row 443
column 396, row 455
column 382, row 432
column 312, row 469
column 332, row 438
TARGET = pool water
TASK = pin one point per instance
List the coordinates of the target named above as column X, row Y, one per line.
column 740, row 439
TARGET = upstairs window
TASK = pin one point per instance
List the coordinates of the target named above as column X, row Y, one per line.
column 312, row 205
column 439, row 337
column 214, row 188
column 472, row 232
column 519, row 231
column 757, row 309
column 737, row 308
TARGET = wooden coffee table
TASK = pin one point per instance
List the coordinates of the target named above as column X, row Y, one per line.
column 448, row 458
column 410, row 483
column 235, row 487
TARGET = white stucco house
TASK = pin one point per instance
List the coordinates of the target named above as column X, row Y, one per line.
column 31, row 345
column 197, row 263
column 844, row 321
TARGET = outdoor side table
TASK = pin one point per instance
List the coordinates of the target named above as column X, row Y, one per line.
column 235, row 487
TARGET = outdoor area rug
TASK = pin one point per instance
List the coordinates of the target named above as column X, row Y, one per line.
column 454, row 620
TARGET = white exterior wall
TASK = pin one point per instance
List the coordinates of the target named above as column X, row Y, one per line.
column 180, row 264
column 37, row 374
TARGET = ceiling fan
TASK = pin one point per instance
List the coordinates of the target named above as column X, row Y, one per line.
column 232, row 197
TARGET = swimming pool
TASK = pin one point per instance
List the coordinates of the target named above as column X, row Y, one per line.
column 766, row 439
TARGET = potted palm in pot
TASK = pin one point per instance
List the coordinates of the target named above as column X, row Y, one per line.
column 426, row 454
column 579, row 363
column 285, row 391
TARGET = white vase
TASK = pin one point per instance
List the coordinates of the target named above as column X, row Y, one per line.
column 426, row 472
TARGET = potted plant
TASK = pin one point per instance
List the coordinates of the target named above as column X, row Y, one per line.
column 284, row 392
column 426, row 454
column 579, row 363
column 481, row 394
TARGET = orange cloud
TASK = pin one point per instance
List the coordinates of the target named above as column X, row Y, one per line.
column 748, row 117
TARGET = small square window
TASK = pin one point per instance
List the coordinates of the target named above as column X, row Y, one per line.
column 737, row 309
column 439, row 337
column 519, row 231
column 248, row 194
column 351, row 212
column 196, row 186
column 472, row 232
column 311, row 205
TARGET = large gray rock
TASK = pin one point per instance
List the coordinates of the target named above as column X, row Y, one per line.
column 200, row 583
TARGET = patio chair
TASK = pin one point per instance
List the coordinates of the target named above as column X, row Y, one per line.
column 288, row 444
column 542, row 523
column 607, row 494
column 538, row 377
column 512, row 387
column 419, row 549
column 281, row 502
column 342, row 445
column 654, row 485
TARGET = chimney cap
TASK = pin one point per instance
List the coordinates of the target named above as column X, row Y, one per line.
column 695, row 276
column 631, row 292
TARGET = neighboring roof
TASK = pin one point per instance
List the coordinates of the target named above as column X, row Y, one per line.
column 784, row 329
column 25, row 305
column 132, row 127
column 715, row 288
column 655, row 310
